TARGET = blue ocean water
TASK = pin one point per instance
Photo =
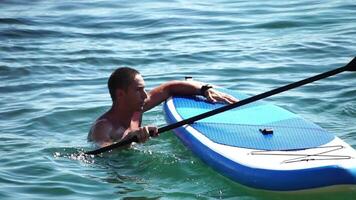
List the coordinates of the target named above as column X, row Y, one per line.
column 56, row 56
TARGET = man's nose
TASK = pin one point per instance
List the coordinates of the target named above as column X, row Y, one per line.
column 144, row 94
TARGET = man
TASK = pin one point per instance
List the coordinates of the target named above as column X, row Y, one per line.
column 127, row 90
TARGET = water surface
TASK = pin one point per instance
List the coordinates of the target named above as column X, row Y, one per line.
column 56, row 56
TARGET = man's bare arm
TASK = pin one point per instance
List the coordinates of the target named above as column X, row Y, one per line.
column 164, row 91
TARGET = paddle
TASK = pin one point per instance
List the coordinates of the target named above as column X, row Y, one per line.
column 351, row 66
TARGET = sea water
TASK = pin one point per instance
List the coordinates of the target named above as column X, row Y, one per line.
column 56, row 57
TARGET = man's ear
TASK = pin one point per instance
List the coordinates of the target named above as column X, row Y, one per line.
column 119, row 93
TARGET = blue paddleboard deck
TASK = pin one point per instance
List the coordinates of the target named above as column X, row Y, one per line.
column 241, row 127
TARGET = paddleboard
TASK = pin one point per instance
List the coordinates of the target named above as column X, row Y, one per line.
column 263, row 146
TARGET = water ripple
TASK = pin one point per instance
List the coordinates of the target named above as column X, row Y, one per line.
column 56, row 56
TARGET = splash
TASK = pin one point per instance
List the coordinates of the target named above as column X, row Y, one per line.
column 79, row 155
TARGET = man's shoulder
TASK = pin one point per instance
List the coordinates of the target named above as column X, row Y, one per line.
column 102, row 122
column 100, row 129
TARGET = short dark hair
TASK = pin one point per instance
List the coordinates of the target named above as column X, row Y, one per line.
column 121, row 78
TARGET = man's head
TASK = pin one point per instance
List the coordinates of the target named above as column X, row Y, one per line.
column 121, row 78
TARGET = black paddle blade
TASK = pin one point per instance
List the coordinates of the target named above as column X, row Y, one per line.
column 352, row 65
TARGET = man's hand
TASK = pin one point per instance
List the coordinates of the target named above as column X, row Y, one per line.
column 144, row 133
column 214, row 96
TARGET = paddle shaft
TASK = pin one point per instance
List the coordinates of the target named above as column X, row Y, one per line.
column 349, row 67
column 257, row 97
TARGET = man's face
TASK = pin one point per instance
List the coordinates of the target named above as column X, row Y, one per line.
column 136, row 94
